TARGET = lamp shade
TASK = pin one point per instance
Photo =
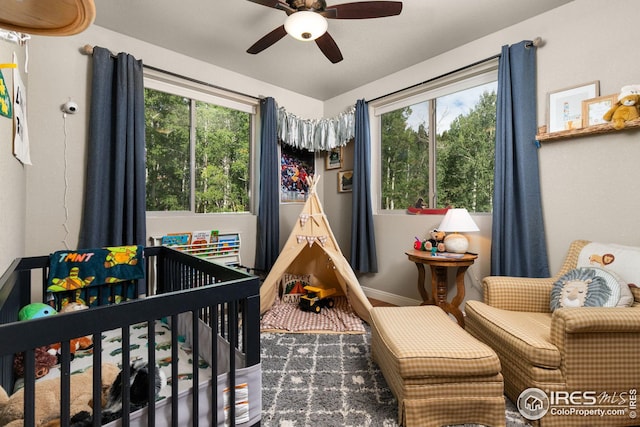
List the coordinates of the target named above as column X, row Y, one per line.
column 455, row 221
column 305, row 25
column 458, row 220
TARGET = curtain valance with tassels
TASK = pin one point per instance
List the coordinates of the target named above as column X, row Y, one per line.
column 316, row 134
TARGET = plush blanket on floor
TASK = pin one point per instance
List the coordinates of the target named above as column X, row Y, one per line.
column 285, row 317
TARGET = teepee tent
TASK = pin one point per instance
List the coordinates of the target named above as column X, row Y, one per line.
column 312, row 249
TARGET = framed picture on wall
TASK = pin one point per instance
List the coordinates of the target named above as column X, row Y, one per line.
column 594, row 108
column 295, row 166
column 333, row 160
column 565, row 106
column 345, row 181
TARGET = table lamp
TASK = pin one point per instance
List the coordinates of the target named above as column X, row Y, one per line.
column 456, row 221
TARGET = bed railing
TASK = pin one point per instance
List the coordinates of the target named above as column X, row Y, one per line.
column 225, row 299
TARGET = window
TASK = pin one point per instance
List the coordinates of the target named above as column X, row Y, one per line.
column 199, row 148
column 437, row 143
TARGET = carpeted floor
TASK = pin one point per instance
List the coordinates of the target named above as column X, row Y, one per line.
column 328, row 380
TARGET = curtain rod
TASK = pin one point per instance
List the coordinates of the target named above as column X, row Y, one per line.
column 88, row 50
column 537, row 42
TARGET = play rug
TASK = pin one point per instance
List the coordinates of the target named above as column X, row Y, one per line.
column 284, row 317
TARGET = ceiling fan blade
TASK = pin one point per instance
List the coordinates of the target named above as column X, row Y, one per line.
column 365, row 10
column 268, row 3
column 329, row 47
column 268, row 40
column 329, row 13
column 276, row 4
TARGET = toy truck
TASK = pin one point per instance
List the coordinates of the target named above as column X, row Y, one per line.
column 316, row 299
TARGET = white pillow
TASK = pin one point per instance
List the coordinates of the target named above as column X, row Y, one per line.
column 622, row 261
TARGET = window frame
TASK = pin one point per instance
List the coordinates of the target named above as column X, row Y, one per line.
column 199, row 91
column 469, row 77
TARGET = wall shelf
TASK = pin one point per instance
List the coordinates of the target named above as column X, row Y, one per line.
column 591, row 130
column 47, row 18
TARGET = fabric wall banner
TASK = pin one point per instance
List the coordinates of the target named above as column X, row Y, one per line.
column 316, row 135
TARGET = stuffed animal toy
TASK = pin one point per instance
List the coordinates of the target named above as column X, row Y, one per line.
column 35, row 310
column 43, row 356
column 436, row 240
column 44, row 361
column 625, row 109
column 75, row 344
column 86, row 341
column 631, row 89
column 139, row 378
column 47, row 407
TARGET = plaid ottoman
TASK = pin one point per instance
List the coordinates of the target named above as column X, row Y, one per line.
column 439, row 374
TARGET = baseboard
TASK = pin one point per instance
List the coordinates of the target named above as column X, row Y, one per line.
column 389, row 297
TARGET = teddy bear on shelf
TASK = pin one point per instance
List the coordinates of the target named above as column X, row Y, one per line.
column 436, row 240
column 626, row 108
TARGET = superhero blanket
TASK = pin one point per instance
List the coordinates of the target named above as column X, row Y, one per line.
column 80, row 269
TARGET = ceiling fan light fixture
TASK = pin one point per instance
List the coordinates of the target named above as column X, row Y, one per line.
column 305, row 25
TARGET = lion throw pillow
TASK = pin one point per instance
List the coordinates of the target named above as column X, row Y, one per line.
column 586, row 287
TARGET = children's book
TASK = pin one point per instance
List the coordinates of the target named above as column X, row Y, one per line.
column 200, row 238
column 176, row 239
column 228, row 242
column 448, row 255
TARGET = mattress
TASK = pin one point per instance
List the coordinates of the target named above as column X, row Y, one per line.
column 248, row 380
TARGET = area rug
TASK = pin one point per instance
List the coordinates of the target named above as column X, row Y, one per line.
column 329, row 380
column 288, row 317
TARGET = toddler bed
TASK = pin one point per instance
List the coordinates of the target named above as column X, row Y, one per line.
column 197, row 321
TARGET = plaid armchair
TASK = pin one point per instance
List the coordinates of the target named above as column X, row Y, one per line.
column 591, row 349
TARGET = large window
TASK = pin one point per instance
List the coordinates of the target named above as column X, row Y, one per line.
column 437, row 144
column 198, row 150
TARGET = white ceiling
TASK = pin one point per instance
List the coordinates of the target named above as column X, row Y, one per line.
column 220, row 31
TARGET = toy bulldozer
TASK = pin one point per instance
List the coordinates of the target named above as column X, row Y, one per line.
column 316, row 299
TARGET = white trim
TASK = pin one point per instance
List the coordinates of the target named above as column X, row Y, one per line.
column 174, row 85
column 484, row 73
column 376, row 168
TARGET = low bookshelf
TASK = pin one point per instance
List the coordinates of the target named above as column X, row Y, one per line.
column 214, row 246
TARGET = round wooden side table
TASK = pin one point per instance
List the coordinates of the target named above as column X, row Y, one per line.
column 439, row 265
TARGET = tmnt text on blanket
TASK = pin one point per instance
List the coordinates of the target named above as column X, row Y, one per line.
column 625, row 109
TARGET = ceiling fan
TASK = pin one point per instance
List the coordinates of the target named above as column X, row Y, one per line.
column 306, row 21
